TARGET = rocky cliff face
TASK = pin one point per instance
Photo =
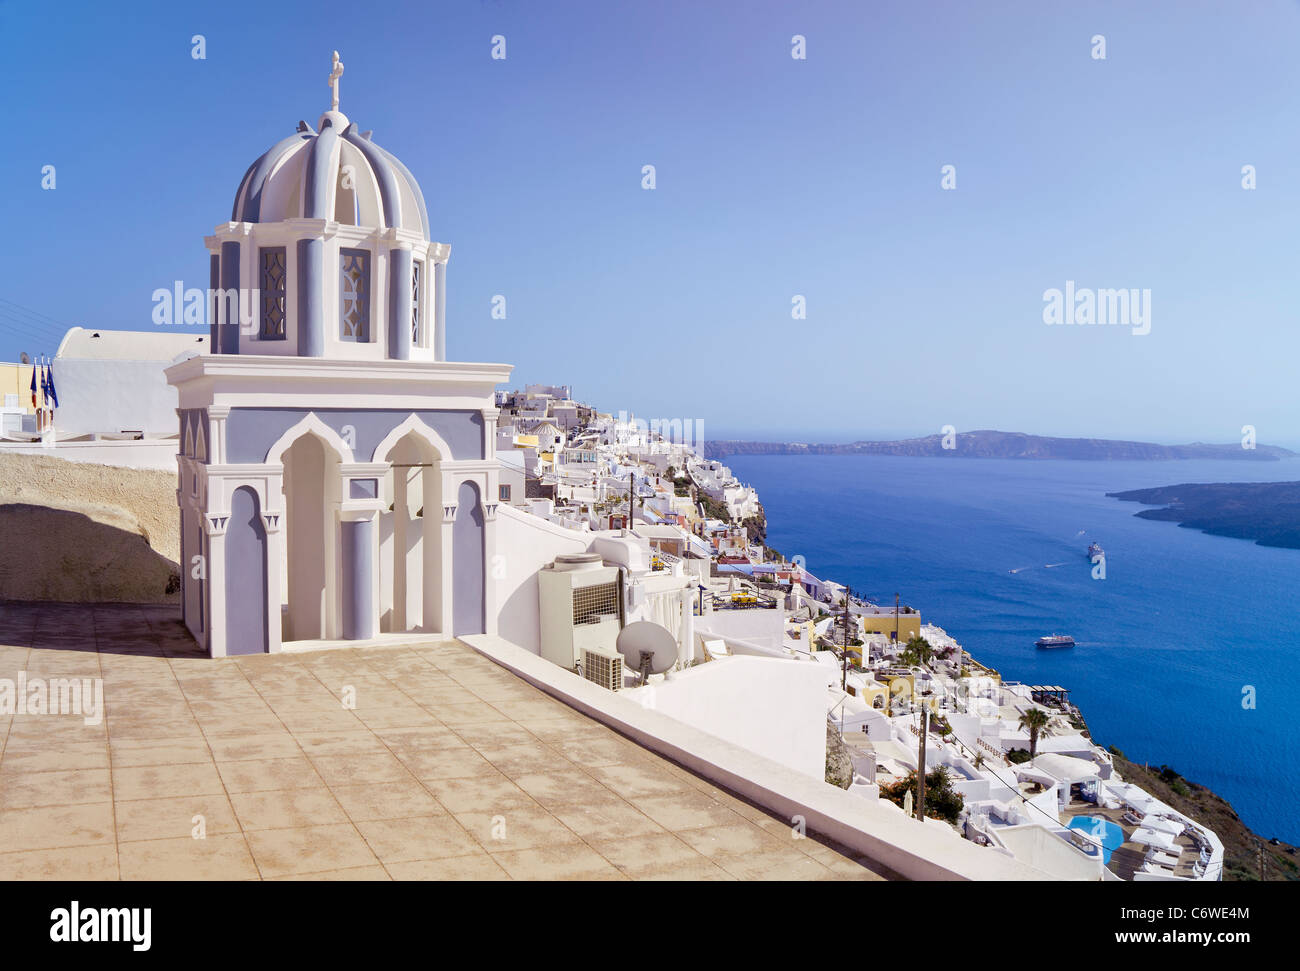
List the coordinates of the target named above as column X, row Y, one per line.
column 839, row 767
column 1266, row 512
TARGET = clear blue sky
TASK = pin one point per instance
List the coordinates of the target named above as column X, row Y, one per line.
column 775, row 177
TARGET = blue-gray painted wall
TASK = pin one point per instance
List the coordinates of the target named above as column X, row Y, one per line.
column 357, row 579
column 250, row 432
column 467, row 555
column 246, row 606
column 363, row 488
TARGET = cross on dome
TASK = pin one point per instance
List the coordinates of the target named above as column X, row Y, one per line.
column 336, row 72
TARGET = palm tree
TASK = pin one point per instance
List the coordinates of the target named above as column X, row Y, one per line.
column 917, row 653
column 1035, row 719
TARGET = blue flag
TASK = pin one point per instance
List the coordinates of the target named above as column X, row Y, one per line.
column 45, row 387
column 54, row 395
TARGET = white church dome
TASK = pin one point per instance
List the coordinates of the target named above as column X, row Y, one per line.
column 335, row 173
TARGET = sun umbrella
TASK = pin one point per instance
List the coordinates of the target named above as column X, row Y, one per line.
column 1153, row 838
column 1162, row 825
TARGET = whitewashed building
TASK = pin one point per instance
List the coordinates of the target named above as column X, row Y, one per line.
column 111, row 381
column 338, row 479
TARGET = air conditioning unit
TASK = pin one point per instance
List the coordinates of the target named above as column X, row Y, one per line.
column 605, row 668
column 580, row 606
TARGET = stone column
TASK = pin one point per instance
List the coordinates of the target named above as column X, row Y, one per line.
column 399, row 303
column 274, row 543
column 185, row 572
column 311, row 298
column 230, row 287
column 214, row 525
column 214, row 284
column 432, row 566
column 401, row 513
column 491, row 595
column 356, row 574
column 441, row 253
column 490, row 416
column 448, row 565
column 217, row 415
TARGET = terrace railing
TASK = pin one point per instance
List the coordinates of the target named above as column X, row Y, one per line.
column 743, row 600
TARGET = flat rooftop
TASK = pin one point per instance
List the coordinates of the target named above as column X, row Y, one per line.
column 447, row 767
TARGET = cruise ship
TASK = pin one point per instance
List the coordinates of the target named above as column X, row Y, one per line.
column 1055, row 640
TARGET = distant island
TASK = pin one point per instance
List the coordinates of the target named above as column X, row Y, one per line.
column 1007, row 445
column 1267, row 512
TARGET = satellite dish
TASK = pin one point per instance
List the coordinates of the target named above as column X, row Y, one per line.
column 24, row 359
column 647, row 647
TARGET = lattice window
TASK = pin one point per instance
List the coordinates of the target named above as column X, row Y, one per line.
column 415, row 303
column 274, row 272
column 354, row 295
column 593, row 604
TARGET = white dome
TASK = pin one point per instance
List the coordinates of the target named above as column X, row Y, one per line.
column 337, row 173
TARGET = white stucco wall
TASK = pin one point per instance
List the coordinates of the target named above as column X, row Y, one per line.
column 763, row 626
column 525, row 544
column 772, row 707
column 113, row 395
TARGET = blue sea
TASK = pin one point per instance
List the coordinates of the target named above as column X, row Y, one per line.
column 1166, row 644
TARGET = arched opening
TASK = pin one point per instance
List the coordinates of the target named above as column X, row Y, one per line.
column 311, row 487
column 410, row 537
column 245, row 553
column 468, row 554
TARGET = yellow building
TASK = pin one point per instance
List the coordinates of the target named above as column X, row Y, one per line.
column 17, row 379
column 875, row 694
column 15, row 393
column 901, row 688
column 881, row 621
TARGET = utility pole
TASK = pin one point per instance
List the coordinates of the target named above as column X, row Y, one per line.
column 631, row 496
column 895, row 618
column 844, row 675
column 920, row 760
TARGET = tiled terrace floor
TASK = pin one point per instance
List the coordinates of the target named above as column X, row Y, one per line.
column 448, row 767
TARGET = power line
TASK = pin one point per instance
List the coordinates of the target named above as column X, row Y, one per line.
column 30, row 333
column 33, row 324
column 28, row 328
column 34, row 313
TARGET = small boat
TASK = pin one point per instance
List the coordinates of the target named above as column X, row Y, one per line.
column 1055, row 640
column 1094, row 549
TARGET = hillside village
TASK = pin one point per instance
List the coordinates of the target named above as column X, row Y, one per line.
column 1009, row 766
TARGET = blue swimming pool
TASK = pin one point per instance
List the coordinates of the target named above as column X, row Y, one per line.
column 1099, row 830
